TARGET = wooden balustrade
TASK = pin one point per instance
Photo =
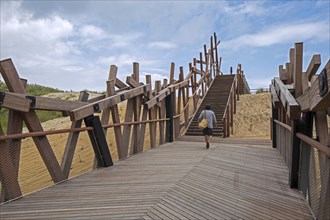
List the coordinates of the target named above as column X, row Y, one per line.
column 300, row 104
column 163, row 108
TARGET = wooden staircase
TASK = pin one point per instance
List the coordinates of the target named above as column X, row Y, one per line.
column 217, row 97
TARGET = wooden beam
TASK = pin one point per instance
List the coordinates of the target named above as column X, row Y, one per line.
column 289, row 72
column 313, row 66
column 91, row 108
column 297, row 69
column 275, row 99
column 72, row 141
column 120, row 84
column 14, row 101
column 42, row 103
column 172, row 73
column 162, row 95
column 288, row 101
column 282, row 73
column 318, row 101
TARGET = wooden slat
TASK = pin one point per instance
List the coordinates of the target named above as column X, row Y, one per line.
column 87, row 110
column 275, row 99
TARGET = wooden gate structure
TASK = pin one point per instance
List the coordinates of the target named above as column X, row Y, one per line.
column 300, row 112
column 160, row 113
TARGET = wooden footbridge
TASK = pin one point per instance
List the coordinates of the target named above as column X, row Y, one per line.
column 149, row 162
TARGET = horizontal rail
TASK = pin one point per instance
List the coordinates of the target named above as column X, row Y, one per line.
column 43, row 133
column 321, row 147
column 288, row 127
column 134, row 123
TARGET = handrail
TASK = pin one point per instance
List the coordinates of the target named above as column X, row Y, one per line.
column 288, row 127
column 321, row 147
column 228, row 101
column 43, row 133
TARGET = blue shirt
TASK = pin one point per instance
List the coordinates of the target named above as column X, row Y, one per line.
column 210, row 116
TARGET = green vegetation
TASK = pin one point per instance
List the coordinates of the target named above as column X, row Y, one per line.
column 34, row 90
column 261, row 90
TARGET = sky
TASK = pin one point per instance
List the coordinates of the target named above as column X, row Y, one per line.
column 70, row 45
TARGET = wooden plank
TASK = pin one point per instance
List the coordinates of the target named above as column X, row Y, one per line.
column 289, row 71
column 116, row 119
column 313, row 66
column 317, row 102
column 287, row 100
column 127, row 128
column 283, row 74
column 297, row 68
column 86, row 110
column 32, row 122
column 247, row 179
column 172, row 73
column 136, row 114
column 275, row 98
column 14, row 101
column 72, row 141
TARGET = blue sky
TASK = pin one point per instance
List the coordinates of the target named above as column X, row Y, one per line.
column 71, row 44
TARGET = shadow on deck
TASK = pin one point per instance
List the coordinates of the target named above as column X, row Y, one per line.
column 236, row 179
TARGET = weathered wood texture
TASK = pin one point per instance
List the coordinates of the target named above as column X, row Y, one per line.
column 307, row 157
column 237, row 179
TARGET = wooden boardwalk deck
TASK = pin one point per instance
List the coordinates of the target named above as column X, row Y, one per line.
column 234, row 179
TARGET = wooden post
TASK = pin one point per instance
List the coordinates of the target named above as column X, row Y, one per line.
column 152, row 113
column 71, row 142
column 169, row 115
column 295, row 155
column 172, row 73
column 98, row 141
column 137, row 113
column 274, row 133
column 305, row 153
column 159, row 110
column 201, row 60
column 297, row 71
column 32, row 122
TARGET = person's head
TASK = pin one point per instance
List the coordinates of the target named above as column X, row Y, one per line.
column 207, row 107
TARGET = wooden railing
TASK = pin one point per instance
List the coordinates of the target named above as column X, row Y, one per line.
column 239, row 86
column 153, row 116
column 300, row 114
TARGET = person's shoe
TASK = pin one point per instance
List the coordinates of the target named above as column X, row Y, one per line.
column 207, row 145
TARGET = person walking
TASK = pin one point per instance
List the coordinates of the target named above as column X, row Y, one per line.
column 212, row 121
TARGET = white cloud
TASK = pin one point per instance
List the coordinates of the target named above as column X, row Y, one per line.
column 92, row 31
column 162, row 45
column 279, row 35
